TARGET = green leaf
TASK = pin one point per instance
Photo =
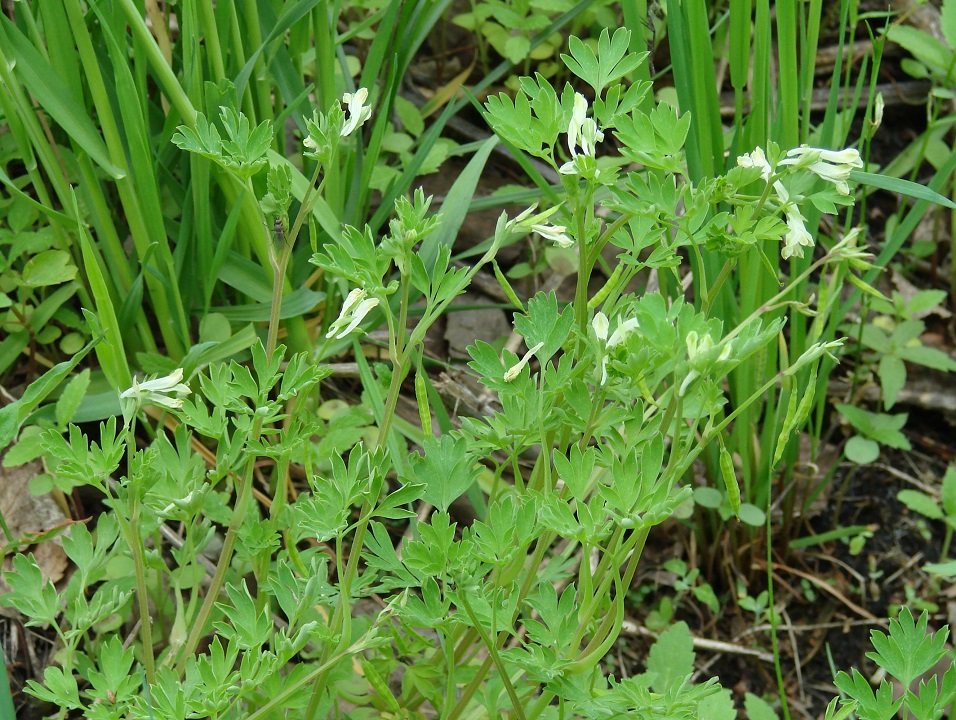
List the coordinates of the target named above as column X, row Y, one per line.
column 924, row 47
column 113, row 674
column 294, row 304
column 71, row 397
column 544, row 324
column 516, row 48
column 948, row 491
column 611, row 63
column 379, row 553
column 30, row 593
column 921, row 503
column 576, row 472
column 926, row 300
column 751, row 515
column 948, row 22
column 881, row 427
column 892, row 372
column 437, row 549
column 248, row 627
column 903, row 187
column 204, row 140
column 840, row 533
column 947, row 569
column 757, row 708
column 454, row 209
column 447, row 470
column 61, row 688
column 671, row 658
column 907, row 652
column 708, row 497
column 12, row 416
column 487, row 363
column 928, row 357
column 50, row 267
column 878, row 706
column 515, row 122
column 410, row 116
column 861, row 451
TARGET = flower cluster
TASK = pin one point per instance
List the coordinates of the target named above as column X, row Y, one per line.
column 582, row 131
column 555, row 233
column 325, row 129
column 834, row 166
column 699, row 356
column 358, row 111
column 167, row 392
column 601, row 326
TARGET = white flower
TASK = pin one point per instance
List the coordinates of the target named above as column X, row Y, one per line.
column 358, row 111
column 516, row 369
column 834, row 166
column 166, row 392
column 590, row 137
column 601, row 326
column 798, row 237
column 554, row 233
column 848, row 156
column 579, row 114
column 354, row 310
column 583, row 132
column 517, row 220
column 756, row 159
column 310, row 143
column 623, row 330
column 877, row 120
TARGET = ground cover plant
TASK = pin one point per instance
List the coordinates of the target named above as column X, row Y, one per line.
column 265, row 550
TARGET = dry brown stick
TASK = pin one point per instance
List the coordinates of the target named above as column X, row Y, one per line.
column 863, row 612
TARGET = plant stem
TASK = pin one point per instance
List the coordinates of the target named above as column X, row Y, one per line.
column 130, row 528
column 495, row 657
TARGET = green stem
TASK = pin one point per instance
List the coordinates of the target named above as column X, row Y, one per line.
column 773, row 619
column 244, row 495
column 495, row 657
column 130, row 529
column 585, row 263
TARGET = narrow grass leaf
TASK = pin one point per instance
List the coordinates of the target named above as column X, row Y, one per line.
column 13, row 415
column 840, row 533
column 111, row 354
column 59, row 102
column 298, row 302
column 290, row 17
column 455, row 208
column 247, row 277
column 903, row 187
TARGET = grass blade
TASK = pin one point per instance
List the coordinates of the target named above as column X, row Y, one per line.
column 39, row 77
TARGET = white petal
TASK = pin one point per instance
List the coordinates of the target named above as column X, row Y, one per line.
column 798, row 237
column 756, row 159
column 624, row 329
column 578, row 115
column 516, row 369
column 600, row 325
column 848, row 156
column 569, row 168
